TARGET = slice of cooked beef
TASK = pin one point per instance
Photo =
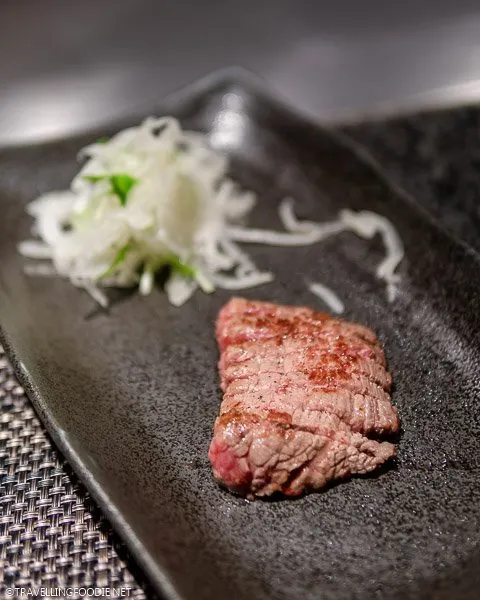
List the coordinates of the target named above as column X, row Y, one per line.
column 301, row 392
column 292, row 356
column 362, row 412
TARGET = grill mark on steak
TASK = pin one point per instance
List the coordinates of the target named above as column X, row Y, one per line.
column 274, row 313
column 237, row 332
column 360, row 412
column 338, row 350
column 292, row 356
column 301, row 389
column 274, row 382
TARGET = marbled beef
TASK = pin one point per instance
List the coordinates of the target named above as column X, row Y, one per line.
column 302, row 390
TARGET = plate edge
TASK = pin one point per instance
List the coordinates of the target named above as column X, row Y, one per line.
column 254, row 85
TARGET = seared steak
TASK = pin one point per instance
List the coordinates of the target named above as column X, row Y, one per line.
column 301, row 392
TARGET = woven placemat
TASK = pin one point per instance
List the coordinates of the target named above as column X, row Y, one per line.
column 51, row 533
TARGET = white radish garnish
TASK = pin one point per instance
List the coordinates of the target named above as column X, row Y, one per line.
column 154, row 197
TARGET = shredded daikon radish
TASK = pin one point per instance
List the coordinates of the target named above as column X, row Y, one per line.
column 34, row 249
column 179, row 289
column 392, row 290
column 242, row 282
column 366, row 224
column 328, row 296
column 145, row 285
column 39, row 269
column 280, row 238
column 155, row 196
column 289, row 219
column 96, row 294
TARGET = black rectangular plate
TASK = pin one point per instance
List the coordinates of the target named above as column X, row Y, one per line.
column 130, row 396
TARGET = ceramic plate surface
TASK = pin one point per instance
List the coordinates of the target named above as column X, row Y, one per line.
column 130, row 396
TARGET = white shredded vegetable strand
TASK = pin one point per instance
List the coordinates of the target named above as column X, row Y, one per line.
column 247, row 281
column 280, row 238
column 97, row 295
column 179, row 289
column 366, row 224
column 392, row 291
column 146, row 282
column 204, row 282
column 34, row 249
column 154, row 197
column 289, row 219
column 39, row 270
column 328, row 296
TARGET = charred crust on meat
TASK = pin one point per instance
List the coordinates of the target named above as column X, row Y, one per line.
column 290, row 429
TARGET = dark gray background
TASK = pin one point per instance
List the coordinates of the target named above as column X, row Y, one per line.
column 66, row 65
